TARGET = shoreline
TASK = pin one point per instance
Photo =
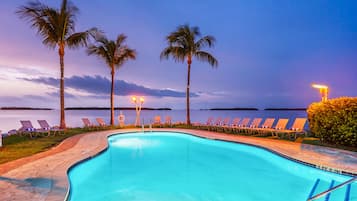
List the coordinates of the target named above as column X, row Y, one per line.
column 24, row 108
column 116, row 108
column 285, row 109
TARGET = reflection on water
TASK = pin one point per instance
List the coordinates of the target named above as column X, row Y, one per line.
column 10, row 119
column 131, row 142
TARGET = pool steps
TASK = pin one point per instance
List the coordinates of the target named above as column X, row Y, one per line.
column 143, row 128
column 348, row 190
column 313, row 188
column 329, row 192
column 327, row 198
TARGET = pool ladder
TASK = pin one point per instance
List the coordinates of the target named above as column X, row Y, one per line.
column 331, row 189
column 143, row 128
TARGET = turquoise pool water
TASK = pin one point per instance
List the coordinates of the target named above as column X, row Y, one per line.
column 162, row 166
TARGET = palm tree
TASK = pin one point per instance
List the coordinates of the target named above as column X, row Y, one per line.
column 184, row 44
column 57, row 27
column 115, row 54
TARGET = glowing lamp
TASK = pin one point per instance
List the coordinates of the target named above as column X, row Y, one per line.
column 319, row 86
column 138, row 105
column 323, row 90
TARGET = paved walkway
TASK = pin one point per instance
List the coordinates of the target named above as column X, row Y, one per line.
column 44, row 176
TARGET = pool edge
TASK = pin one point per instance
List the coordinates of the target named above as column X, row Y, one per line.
column 192, row 133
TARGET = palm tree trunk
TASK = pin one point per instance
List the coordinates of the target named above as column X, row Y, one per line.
column 112, row 99
column 188, row 121
column 61, row 54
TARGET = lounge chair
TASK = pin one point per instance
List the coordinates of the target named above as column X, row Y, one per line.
column 101, row 122
column 255, row 124
column 280, row 126
column 297, row 128
column 209, row 121
column 299, row 124
column 218, row 121
column 206, row 125
column 87, row 123
column 234, row 124
column 45, row 127
column 216, row 124
column 27, row 128
column 243, row 125
column 12, row 132
column 225, row 123
column 267, row 125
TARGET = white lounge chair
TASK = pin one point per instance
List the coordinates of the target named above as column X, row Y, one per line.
column 225, row 123
column 296, row 129
column 235, row 123
column 268, row 123
column 101, row 122
column 216, row 124
column 206, row 125
column 266, row 126
column 255, row 124
column 87, row 123
column 280, row 126
column 45, row 127
column 27, row 128
column 243, row 125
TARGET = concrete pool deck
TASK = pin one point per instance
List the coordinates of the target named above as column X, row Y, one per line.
column 44, row 176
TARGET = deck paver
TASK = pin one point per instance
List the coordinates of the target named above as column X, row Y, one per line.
column 44, row 176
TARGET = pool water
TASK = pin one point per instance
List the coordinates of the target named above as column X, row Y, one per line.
column 165, row 166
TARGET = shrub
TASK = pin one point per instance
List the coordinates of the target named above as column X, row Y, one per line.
column 334, row 121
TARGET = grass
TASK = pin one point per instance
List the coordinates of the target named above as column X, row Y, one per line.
column 15, row 146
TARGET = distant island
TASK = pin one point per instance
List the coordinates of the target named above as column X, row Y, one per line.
column 234, row 108
column 302, row 109
column 23, row 108
column 117, row 108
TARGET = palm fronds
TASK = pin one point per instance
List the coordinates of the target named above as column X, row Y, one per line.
column 57, row 28
column 184, row 44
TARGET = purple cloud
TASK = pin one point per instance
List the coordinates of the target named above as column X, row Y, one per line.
column 98, row 85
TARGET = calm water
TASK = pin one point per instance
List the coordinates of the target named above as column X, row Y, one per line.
column 161, row 166
column 10, row 119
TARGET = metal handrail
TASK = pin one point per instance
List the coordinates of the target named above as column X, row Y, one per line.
column 332, row 189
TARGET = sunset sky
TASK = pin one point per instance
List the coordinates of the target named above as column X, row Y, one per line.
column 269, row 53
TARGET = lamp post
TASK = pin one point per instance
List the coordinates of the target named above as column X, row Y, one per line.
column 323, row 91
column 138, row 104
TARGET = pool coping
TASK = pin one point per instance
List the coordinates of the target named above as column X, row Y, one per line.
column 83, row 154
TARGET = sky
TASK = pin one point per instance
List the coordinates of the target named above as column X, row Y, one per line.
column 269, row 54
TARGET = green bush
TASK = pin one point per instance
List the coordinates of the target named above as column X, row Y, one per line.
column 334, row 121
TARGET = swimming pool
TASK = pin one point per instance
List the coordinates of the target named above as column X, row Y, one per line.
column 170, row 166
